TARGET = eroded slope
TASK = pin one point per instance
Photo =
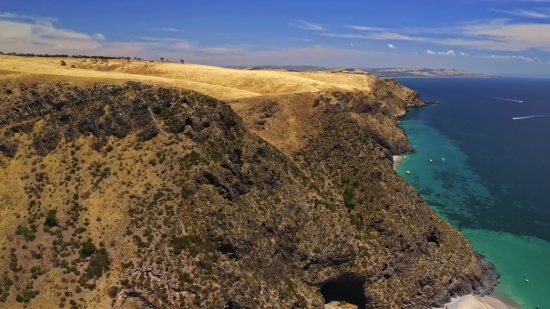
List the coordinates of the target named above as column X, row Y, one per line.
column 134, row 195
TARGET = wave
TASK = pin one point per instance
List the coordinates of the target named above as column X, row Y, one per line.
column 507, row 99
column 528, row 117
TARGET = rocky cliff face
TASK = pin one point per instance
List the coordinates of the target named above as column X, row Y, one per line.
column 131, row 195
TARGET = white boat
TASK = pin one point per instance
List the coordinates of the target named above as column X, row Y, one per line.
column 407, row 172
column 443, row 159
column 526, row 280
column 430, row 160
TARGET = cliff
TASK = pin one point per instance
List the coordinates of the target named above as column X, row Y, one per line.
column 132, row 195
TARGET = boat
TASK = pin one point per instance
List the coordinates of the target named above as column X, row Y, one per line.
column 443, row 159
column 430, row 160
column 407, row 172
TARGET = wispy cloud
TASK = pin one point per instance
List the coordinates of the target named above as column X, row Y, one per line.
column 29, row 34
column 447, row 53
column 463, row 54
column 361, row 28
column 540, row 13
column 166, row 29
column 99, row 36
column 391, row 46
column 302, row 24
column 498, row 34
column 7, row 15
column 506, row 57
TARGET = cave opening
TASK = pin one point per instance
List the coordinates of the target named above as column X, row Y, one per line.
column 345, row 289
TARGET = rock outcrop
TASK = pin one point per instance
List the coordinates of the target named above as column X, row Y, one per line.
column 136, row 195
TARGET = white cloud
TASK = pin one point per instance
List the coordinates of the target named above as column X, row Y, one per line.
column 99, row 36
column 7, row 15
column 302, row 24
column 361, row 28
column 27, row 34
column 498, row 34
column 21, row 36
column 391, row 46
column 168, row 29
column 448, row 53
column 526, row 13
column 352, row 44
column 506, row 57
column 463, row 54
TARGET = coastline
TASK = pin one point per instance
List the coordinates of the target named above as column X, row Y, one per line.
column 396, row 161
column 489, row 300
column 470, row 301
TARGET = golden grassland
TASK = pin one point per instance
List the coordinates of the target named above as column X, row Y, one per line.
column 222, row 83
column 294, row 90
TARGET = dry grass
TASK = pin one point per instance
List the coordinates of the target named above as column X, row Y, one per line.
column 293, row 90
column 222, row 83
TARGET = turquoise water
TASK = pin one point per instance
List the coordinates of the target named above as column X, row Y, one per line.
column 493, row 181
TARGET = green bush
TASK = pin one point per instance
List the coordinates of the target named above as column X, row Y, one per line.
column 98, row 264
column 51, row 218
column 348, row 198
column 88, row 249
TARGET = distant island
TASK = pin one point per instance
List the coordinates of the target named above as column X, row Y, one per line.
column 379, row 72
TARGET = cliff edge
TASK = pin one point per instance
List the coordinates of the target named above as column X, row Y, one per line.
column 132, row 195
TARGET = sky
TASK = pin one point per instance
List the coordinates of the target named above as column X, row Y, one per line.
column 485, row 36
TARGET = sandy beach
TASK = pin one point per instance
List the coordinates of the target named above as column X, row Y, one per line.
column 477, row 302
column 396, row 161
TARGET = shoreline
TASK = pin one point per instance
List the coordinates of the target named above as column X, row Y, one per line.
column 396, row 161
column 493, row 301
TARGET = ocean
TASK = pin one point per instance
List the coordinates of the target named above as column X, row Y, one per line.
column 490, row 174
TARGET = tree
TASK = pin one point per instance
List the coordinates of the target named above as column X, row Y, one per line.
column 63, row 63
column 161, row 59
column 51, row 218
column 181, row 60
column 88, row 249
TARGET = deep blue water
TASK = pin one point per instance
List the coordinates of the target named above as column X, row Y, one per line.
column 494, row 181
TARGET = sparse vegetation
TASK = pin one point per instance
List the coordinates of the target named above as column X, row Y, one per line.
column 162, row 196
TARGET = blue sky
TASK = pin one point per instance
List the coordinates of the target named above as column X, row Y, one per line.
column 493, row 36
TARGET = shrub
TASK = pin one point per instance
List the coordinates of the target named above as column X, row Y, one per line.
column 25, row 232
column 99, row 262
column 51, row 218
column 112, row 291
column 88, row 249
column 348, row 198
